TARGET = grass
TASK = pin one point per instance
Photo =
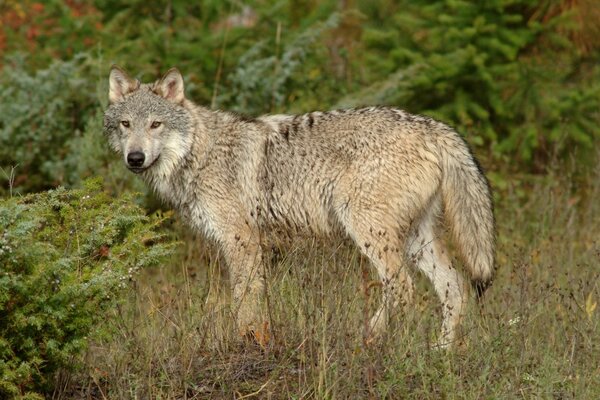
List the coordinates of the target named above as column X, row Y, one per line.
column 535, row 335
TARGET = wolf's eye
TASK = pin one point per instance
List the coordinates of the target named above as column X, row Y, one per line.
column 125, row 124
column 155, row 124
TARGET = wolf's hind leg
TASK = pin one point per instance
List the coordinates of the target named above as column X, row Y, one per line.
column 431, row 256
column 383, row 244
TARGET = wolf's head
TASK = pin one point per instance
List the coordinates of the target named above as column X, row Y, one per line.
column 148, row 123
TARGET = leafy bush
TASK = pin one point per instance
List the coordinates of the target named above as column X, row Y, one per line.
column 48, row 29
column 503, row 70
column 41, row 113
column 262, row 80
column 65, row 258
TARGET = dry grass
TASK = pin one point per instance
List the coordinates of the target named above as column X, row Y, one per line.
column 536, row 334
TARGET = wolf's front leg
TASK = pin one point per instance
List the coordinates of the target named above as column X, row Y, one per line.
column 244, row 258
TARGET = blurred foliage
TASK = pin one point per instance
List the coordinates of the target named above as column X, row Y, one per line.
column 65, row 258
column 41, row 112
column 503, row 71
column 48, row 30
column 519, row 78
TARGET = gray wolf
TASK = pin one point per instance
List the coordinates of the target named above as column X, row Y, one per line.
column 381, row 176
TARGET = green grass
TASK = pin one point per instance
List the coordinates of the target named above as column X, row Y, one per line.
column 535, row 335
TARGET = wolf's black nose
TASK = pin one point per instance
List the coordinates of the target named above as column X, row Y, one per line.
column 135, row 159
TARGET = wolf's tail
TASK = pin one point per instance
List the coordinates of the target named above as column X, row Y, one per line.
column 468, row 208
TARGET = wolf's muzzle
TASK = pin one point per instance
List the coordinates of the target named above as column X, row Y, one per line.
column 136, row 159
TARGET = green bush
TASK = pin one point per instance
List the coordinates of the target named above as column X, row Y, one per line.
column 262, row 81
column 48, row 30
column 504, row 71
column 41, row 114
column 65, row 258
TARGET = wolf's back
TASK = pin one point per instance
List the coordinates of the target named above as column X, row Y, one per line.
column 468, row 208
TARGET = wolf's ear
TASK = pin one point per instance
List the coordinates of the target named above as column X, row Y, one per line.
column 119, row 84
column 171, row 86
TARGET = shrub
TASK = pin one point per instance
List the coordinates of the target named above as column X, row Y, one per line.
column 66, row 257
column 263, row 80
column 503, row 70
column 41, row 113
column 48, row 30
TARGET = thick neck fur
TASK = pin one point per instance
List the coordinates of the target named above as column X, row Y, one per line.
column 197, row 142
column 215, row 137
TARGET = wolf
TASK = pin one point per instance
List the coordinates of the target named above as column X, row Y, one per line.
column 383, row 177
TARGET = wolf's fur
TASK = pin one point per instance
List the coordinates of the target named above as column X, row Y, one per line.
column 380, row 175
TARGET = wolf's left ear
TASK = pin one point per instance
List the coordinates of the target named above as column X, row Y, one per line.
column 171, row 86
column 119, row 84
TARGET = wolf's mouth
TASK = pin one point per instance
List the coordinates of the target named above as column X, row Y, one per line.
column 139, row 170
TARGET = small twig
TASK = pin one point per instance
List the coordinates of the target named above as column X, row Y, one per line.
column 10, row 177
column 277, row 63
column 213, row 102
column 257, row 392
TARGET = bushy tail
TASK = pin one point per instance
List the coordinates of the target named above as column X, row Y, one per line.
column 468, row 209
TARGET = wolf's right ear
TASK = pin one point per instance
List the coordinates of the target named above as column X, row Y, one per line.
column 119, row 84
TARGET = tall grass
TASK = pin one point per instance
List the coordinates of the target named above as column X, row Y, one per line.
column 536, row 334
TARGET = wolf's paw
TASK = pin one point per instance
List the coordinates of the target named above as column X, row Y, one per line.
column 257, row 333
